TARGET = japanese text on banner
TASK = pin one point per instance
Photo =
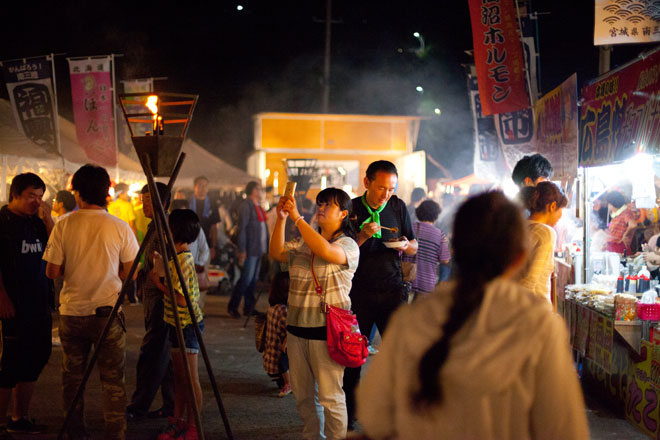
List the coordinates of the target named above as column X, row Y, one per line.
column 91, row 90
column 30, row 90
column 498, row 56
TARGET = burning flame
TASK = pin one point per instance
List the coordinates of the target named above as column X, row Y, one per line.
column 152, row 104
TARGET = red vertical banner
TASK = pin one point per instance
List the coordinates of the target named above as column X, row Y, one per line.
column 498, row 56
column 91, row 90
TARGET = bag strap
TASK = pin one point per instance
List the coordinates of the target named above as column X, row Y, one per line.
column 317, row 287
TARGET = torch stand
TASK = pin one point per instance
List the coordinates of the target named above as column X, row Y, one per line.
column 166, row 243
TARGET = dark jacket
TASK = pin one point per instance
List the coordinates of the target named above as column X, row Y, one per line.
column 249, row 230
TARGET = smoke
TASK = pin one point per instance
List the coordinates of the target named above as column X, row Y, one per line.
column 223, row 122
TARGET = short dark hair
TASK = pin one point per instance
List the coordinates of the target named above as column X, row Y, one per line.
column 417, row 195
column 67, row 199
column 163, row 192
column 533, row 166
column 380, row 165
column 249, row 188
column 184, row 225
column 92, row 183
column 279, row 289
column 198, row 178
column 21, row 182
column 616, row 199
column 428, row 211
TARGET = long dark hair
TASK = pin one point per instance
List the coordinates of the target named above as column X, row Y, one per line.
column 343, row 200
column 537, row 198
column 489, row 235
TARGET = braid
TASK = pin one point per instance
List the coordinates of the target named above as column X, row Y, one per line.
column 430, row 391
column 489, row 233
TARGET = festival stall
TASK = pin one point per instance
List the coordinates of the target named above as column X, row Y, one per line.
column 612, row 316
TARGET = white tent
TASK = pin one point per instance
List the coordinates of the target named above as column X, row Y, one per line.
column 200, row 162
column 18, row 154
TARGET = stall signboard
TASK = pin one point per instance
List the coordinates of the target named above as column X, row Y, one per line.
column 556, row 128
column 635, row 383
column 601, row 337
column 30, row 87
column 498, row 56
column 621, row 21
column 550, row 128
column 91, row 90
column 620, row 114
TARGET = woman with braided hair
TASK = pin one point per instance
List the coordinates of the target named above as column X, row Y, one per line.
column 480, row 358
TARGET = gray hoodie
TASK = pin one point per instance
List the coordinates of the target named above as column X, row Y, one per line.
column 509, row 374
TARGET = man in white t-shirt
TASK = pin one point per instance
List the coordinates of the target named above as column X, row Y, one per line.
column 86, row 249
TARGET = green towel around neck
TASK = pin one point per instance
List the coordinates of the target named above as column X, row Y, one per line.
column 374, row 216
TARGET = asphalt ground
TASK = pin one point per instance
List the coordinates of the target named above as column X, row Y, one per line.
column 249, row 397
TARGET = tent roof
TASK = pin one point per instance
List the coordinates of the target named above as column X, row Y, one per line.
column 15, row 143
column 468, row 180
column 200, row 162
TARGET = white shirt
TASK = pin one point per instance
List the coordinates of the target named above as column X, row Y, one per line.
column 90, row 245
column 541, row 259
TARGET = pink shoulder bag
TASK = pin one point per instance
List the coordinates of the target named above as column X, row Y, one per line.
column 346, row 345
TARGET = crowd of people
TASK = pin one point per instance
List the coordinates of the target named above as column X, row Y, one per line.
column 486, row 341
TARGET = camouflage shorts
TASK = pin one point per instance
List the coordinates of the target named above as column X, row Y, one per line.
column 78, row 335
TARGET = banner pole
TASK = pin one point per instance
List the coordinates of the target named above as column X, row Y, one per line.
column 3, row 176
column 58, row 139
column 532, row 99
column 114, row 117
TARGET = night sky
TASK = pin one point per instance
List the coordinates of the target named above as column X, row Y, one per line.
column 269, row 57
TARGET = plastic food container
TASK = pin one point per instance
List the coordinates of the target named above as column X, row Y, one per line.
column 648, row 312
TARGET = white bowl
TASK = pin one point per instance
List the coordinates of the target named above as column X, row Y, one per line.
column 394, row 244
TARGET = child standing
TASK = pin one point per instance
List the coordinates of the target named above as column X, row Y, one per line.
column 276, row 361
column 185, row 227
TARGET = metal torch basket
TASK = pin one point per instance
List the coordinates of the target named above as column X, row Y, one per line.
column 159, row 127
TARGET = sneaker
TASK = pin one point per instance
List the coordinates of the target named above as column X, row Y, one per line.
column 233, row 313
column 161, row 413
column 25, row 426
column 285, row 391
column 133, row 415
column 190, row 433
column 372, row 350
column 173, row 429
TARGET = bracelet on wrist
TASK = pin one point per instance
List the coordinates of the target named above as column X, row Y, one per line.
column 295, row 223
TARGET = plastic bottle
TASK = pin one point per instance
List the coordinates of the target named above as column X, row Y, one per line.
column 631, row 282
column 644, row 279
column 619, row 284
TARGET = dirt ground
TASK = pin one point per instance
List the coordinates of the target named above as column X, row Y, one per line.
column 250, row 399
